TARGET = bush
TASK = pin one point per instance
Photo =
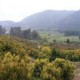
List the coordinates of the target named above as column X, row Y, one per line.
column 60, row 69
column 14, row 68
column 66, row 68
column 55, row 54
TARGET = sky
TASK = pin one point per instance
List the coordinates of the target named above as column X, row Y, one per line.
column 17, row 10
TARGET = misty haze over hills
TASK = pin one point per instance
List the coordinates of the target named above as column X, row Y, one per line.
column 49, row 19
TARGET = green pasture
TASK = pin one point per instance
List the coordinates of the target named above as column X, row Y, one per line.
column 59, row 37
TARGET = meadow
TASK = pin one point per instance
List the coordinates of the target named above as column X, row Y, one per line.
column 51, row 35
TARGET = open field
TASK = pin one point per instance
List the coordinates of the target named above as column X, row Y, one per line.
column 55, row 35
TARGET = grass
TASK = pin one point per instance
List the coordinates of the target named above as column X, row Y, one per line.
column 59, row 37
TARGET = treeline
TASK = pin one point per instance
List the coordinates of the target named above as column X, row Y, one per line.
column 18, row 32
column 71, row 33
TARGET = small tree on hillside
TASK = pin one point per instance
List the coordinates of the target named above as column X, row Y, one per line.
column 68, row 41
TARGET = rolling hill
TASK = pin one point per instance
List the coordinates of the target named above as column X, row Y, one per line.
column 49, row 19
column 45, row 19
column 72, row 22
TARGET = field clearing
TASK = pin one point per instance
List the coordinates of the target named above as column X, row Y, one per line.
column 59, row 37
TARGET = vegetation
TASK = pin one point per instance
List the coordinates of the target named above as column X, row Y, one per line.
column 71, row 33
column 33, row 58
column 22, row 59
column 48, row 51
column 2, row 30
column 55, row 36
column 26, row 34
column 18, row 32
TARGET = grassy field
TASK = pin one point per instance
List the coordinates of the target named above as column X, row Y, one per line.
column 55, row 35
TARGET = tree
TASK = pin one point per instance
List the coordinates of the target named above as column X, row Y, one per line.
column 27, row 34
column 68, row 41
column 54, row 41
column 35, row 35
column 2, row 30
column 16, row 31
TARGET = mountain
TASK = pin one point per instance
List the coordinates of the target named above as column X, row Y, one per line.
column 7, row 24
column 71, row 22
column 45, row 19
column 49, row 19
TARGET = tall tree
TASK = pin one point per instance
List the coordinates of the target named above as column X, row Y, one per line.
column 16, row 31
column 27, row 34
column 35, row 35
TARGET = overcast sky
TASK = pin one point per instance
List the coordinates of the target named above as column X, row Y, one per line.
column 18, row 9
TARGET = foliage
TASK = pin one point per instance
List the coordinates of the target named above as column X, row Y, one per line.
column 71, row 33
column 26, row 34
column 55, row 54
column 15, row 68
column 16, row 31
column 42, row 53
column 66, row 68
column 68, row 41
column 23, row 60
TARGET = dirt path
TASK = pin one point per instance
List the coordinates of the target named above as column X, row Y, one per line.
column 77, row 77
column 77, row 71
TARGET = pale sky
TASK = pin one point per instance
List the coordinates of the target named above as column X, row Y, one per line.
column 17, row 10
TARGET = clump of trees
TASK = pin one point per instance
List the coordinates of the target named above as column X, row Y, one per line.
column 71, row 33
column 26, row 34
column 18, row 32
